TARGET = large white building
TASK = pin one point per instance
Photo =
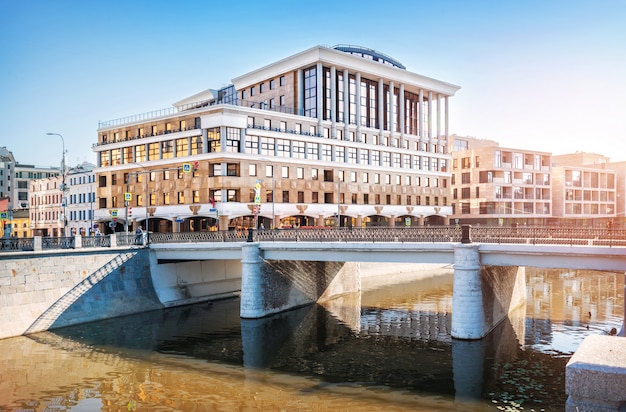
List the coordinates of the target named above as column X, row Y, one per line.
column 338, row 135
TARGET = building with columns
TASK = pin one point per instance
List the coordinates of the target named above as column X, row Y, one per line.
column 329, row 136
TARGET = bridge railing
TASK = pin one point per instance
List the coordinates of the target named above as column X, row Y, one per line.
column 531, row 235
column 61, row 242
column 96, row 241
column 17, row 244
column 540, row 235
column 376, row 234
column 188, row 237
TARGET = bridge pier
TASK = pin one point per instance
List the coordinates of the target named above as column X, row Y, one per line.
column 468, row 320
column 273, row 286
column 482, row 296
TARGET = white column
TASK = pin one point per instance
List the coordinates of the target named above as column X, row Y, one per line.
column 430, row 116
column 421, row 115
column 320, row 96
column 438, row 116
column 381, row 107
column 358, row 103
column 300, row 108
column 346, row 103
column 391, row 113
column 333, row 101
column 446, row 117
column 402, row 111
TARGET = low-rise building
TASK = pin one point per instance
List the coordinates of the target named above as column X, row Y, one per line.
column 46, row 206
column 496, row 185
column 81, row 197
column 584, row 189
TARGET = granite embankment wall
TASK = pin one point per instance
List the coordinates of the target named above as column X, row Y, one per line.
column 47, row 290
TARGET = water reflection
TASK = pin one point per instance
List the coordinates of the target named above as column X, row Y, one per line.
column 387, row 348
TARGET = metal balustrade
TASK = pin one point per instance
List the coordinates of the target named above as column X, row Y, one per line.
column 61, row 242
column 96, row 241
column 529, row 235
column 17, row 244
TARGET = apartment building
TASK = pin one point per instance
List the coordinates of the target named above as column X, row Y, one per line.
column 495, row 185
column 584, row 189
column 81, row 198
column 46, row 206
column 329, row 136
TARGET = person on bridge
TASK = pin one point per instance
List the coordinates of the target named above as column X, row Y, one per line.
column 139, row 236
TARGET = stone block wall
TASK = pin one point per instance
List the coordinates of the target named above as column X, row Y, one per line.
column 45, row 290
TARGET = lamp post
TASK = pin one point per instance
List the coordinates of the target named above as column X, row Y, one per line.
column 63, row 187
column 92, row 199
column 338, row 203
column 146, row 199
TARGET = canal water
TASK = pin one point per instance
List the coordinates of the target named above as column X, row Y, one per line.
column 387, row 348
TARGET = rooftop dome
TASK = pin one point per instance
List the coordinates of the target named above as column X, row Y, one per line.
column 369, row 54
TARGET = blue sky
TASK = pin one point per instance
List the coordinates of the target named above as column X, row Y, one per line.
column 544, row 75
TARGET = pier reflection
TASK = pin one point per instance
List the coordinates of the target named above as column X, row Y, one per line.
column 388, row 347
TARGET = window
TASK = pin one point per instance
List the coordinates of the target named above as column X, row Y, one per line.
column 285, row 196
column 269, row 171
column 300, row 197
column 216, row 169
column 251, row 170
column 232, row 195
column 196, row 196
column 281, row 100
column 300, row 173
column 272, row 84
column 282, row 80
column 166, row 198
column 232, row 169
column 314, row 197
column 285, row 172
column 314, row 174
column 181, row 198
column 262, row 88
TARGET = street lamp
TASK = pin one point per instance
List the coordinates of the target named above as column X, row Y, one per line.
column 146, row 200
column 338, row 202
column 63, row 188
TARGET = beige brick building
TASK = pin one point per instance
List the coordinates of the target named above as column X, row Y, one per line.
column 329, row 136
column 496, row 185
column 585, row 190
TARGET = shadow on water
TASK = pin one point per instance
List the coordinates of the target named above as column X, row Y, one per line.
column 389, row 347
column 312, row 342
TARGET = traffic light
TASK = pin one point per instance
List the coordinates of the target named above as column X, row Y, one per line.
column 195, row 167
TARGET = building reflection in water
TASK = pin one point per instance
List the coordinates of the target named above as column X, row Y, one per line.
column 389, row 347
